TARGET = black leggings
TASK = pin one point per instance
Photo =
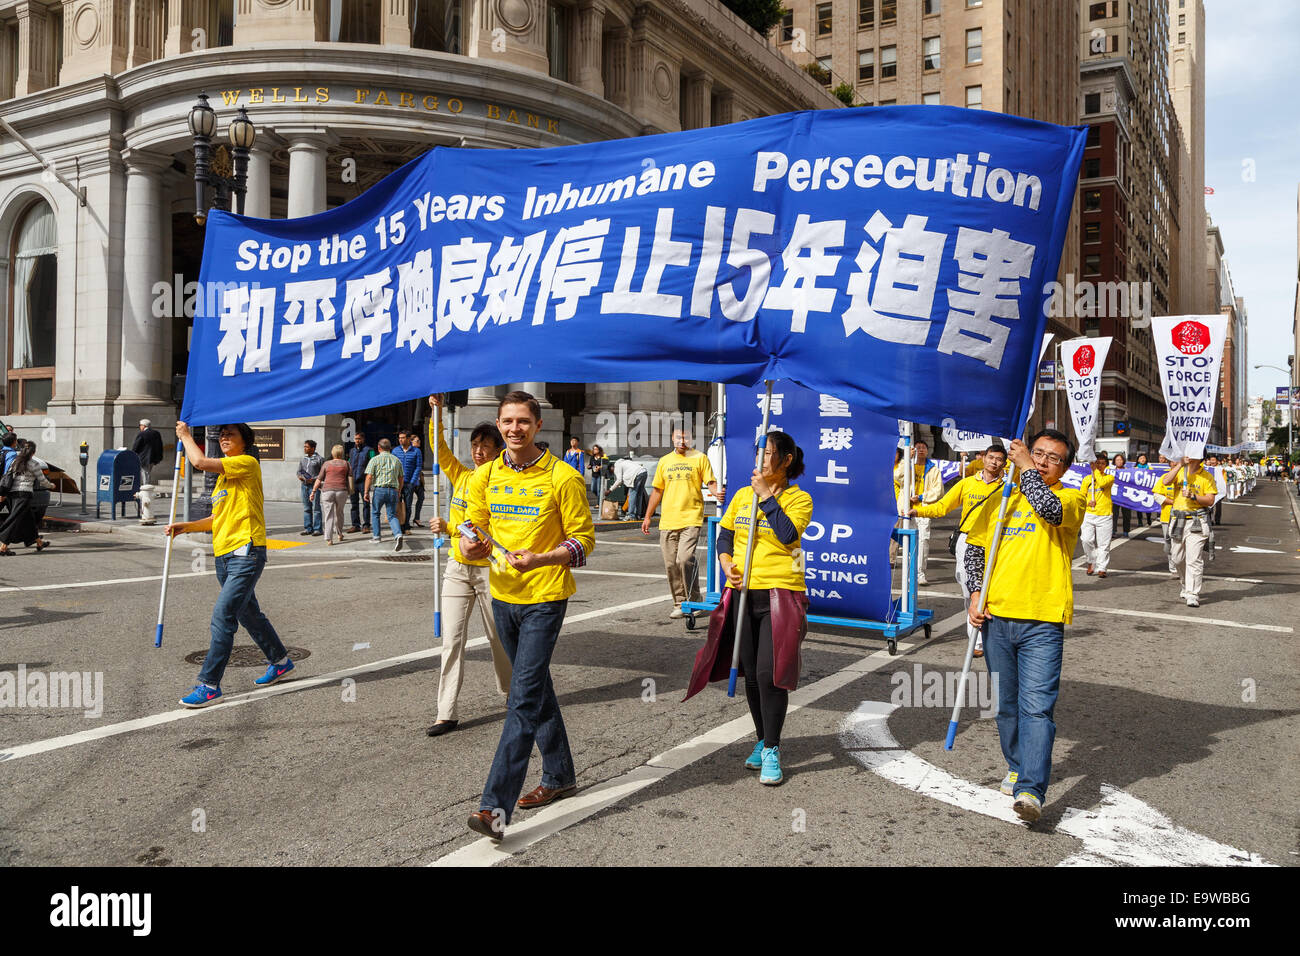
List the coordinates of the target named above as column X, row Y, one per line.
column 767, row 702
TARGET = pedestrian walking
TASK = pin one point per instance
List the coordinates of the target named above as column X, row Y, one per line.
column 359, row 456
column 1211, row 466
column 1030, row 601
column 383, row 485
column 1144, row 518
column 776, row 612
column 631, row 475
column 465, row 583
column 308, row 470
column 575, row 457
column 679, row 477
column 418, row 445
column 148, row 447
column 8, row 451
column 332, row 485
column 412, row 460
column 22, row 480
column 1097, row 530
column 1190, row 491
column 1118, row 463
column 973, row 495
column 536, row 507
column 238, row 528
column 598, row 463
column 927, row 488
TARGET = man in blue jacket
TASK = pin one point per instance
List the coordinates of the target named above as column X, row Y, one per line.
column 412, row 460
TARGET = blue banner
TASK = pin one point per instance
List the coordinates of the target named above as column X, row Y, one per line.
column 848, row 462
column 895, row 257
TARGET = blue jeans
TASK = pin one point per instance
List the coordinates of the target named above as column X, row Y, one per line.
column 637, row 498
column 408, row 499
column 528, row 633
column 237, row 604
column 379, row 498
column 1026, row 657
column 311, row 511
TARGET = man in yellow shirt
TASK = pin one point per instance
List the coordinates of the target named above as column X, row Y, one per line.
column 1097, row 527
column 1031, row 599
column 972, row 494
column 927, row 488
column 535, row 507
column 1189, row 492
column 679, row 476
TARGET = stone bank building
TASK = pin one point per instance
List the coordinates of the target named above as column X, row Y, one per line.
column 98, row 235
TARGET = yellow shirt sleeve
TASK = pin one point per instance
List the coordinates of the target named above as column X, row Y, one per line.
column 575, row 513
column 951, row 499
column 451, row 465
column 476, row 505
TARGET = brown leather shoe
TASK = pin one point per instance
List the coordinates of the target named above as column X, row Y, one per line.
column 482, row 821
column 1101, row 574
column 1089, row 571
column 541, row 796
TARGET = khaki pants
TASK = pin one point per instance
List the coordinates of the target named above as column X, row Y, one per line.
column 1095, row 538
column 679, row 561
column 1190, row 549
column 332, row 512
column 462, row 586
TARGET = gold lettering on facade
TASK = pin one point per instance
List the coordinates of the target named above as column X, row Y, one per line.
column 406, row 99
column 552, row 126
column 512, row 117
column 297, row 95
column 532, row 120
column 255, row 96
column 230, row 97
column 493, row 111
column 276, row 97
column 425, row 103
column 361, row 95
column 455, row 105
column 382, row 99
column 322, row 94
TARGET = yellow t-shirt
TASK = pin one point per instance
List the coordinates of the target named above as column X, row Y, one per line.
column 237, row 517
column 458, row 476
column 536, row 509
column 1098, row 491
column 1031, row 576
column 1181, row 493
column 971, row 492
column 776, row 564
column 680, row 478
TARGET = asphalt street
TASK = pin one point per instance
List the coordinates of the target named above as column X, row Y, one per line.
column 1176, row 726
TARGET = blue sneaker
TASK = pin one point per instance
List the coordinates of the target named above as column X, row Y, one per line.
column 201, row 696
column 274, row 674
column 755, row 760
column 771, row 774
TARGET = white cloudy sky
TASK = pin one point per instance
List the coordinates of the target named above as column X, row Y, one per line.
column 1252, row 112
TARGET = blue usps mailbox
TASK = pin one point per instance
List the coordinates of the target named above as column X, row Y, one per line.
column 119, row 480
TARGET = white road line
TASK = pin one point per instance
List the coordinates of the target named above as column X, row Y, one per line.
column 1207, row 577
column 636, row 544
column 1115, row 543
column 234, row 700
column 1188, row 618
column 565, row 813
column 621, row 574
column 175, row 575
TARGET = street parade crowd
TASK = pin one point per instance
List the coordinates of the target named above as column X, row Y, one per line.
column 520, row 520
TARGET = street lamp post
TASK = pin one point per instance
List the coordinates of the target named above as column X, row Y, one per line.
column 227, row 175
column 1290, row 404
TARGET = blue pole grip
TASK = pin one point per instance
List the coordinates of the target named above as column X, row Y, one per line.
column 157, row 638
column 731, row 682
column 952, row 735
column 437, row 624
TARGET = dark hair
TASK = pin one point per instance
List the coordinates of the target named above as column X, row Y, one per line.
column 10, row 439
column 898, row 455
column 521, row 398
column 921, row 441
column 246, row 434
column 784, row 445
column 599, row 449
column 1051, row 434
column 998, row 447
column 308, row 441
column 26, row 450
column 489, row 431
column 403, row 431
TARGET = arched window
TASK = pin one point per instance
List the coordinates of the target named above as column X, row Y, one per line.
column 33, row 300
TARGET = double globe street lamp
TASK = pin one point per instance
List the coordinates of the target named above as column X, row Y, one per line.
column 226, row 173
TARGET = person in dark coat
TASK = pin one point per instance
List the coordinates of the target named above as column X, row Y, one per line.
column 148, row 446
column 27, row 478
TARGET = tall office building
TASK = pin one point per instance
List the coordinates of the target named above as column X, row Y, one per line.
column 1187, row 91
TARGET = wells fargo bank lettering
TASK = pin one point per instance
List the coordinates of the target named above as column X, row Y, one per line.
column 401, row 99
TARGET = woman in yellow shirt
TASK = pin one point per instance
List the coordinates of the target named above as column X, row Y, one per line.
column 238, row 529
column 776, row 617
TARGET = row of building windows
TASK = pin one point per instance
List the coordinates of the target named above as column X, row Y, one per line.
column 866, row 15
column 888, row 60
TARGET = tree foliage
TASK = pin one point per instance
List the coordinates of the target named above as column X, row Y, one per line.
column 762, row 15
column 844, row 93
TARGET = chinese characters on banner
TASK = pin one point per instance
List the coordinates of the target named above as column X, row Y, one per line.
column 848, row 462
column 859, row 252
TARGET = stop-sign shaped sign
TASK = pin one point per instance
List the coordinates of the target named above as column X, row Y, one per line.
column 1084, row 359
column 1191, row 338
